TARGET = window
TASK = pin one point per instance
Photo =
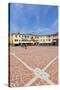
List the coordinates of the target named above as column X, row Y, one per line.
column 22, row 35
column 16, row 39
column 49, row 39
column 19, row 35
column 36, row 37
column 43, row 39
column 48, row 35
column 27, row 36
column 15, row 35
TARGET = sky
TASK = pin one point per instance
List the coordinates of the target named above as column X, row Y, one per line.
column 33, row 18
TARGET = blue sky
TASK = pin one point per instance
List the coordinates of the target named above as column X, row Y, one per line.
column 30, row 18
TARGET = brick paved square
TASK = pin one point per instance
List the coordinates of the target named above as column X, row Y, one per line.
column 34, row 57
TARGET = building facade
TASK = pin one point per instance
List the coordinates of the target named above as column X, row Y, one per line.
column 32, row 39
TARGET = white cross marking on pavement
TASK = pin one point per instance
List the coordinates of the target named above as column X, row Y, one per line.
column 38, row 72
column 41, row 72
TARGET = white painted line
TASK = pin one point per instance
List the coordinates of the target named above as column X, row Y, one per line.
column 31, row 81
column 50, row 63
column 46, row 79
column 49, row 82
column 22, row 62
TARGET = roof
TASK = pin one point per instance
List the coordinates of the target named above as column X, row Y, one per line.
column 27, row 34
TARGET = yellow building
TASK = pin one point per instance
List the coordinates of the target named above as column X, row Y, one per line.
column 32, row 39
